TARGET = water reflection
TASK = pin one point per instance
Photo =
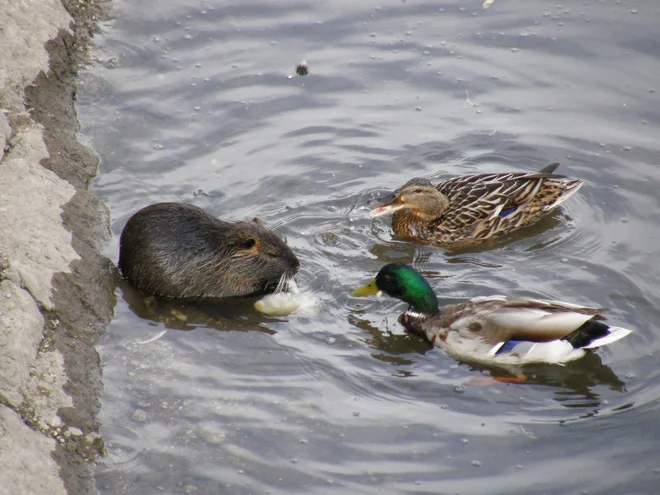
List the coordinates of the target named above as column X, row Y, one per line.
column 224, row 314
column 199, row 107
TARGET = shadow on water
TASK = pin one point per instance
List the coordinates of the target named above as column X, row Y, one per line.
column 406, row 252
column 222, row 314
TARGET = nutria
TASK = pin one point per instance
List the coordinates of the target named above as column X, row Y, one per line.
column 180, row 251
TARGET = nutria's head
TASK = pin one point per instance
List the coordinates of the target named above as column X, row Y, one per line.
column 257, row 260
column 178, row 250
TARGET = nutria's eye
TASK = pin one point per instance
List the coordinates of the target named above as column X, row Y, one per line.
column 418, row 190
column 248, row 243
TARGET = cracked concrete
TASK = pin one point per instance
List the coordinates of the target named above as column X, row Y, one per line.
column 56, row 290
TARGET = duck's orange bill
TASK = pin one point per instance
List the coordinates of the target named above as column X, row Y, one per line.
column 388, row 208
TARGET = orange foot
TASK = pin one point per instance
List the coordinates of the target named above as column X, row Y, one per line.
column 482, row 381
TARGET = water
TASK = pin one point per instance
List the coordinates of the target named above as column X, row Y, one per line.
column 199, row 102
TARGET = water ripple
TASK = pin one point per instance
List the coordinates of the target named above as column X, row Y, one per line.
column 199, row 102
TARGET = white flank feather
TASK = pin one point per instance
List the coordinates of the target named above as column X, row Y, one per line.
column 554, row 352
column 557, row 351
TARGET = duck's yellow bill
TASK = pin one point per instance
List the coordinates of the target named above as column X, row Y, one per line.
column 366, row 290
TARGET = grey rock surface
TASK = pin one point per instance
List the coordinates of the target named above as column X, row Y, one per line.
column 56, row 290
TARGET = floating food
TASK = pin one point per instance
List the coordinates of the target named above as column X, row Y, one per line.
column 288, row 301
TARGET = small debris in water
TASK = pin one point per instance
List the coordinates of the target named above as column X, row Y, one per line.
column 154, row 338
column 476, row 463
column 178, row 315
column 459, row 388
column 140, row 415
column 302, row 69
column 212, row 434
column 467, row 100
column 528, row 434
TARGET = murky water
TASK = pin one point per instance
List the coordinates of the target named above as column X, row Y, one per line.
column 199, row 102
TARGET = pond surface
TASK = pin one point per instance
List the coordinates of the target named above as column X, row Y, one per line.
column 199, row 102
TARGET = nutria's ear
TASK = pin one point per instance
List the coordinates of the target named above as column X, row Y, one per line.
column 258, row 221
column 247, row 243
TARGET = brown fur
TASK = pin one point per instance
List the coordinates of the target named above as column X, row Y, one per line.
column 180, row 251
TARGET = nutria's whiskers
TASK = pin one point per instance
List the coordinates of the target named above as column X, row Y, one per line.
column 281, row 284
column 287, row 282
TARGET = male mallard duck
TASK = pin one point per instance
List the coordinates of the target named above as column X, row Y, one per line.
column 474, row 208
column 497, row 329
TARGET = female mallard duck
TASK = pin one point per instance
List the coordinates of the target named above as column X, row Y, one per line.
column 497, row 329
column 474, row 208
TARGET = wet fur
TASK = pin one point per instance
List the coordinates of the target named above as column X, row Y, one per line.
column 180, row 251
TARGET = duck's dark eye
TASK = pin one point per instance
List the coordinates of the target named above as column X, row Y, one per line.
column 248, row 243
column 418, row 190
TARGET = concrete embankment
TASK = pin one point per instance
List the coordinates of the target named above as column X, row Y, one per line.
column 56, row 290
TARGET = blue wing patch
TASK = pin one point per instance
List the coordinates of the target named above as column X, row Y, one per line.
column 509, row 345
column 507, row 211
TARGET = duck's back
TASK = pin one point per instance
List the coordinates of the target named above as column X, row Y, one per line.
column 487, row 206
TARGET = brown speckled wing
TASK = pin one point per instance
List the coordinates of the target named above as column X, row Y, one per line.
column 475, row 201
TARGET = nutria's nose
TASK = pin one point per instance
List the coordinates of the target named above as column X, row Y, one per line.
column 289, row 259
column 293, row 261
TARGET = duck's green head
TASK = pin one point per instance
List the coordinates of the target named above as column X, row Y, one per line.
column 405, row 283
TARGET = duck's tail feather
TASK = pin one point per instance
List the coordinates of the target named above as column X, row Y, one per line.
column 593, row 333
column 570, row 188
column 549, row 169
column 615, row 333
